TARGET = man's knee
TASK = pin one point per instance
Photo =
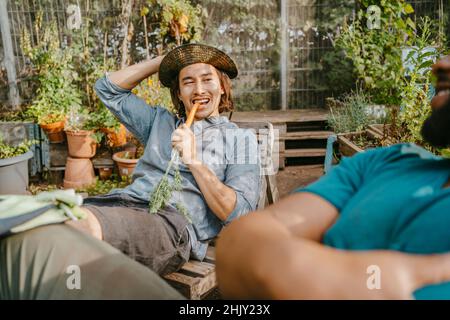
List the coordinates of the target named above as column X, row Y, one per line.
column 90, row 225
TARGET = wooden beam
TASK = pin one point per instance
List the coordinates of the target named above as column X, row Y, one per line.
column 10, row 61
column 284, row 56
column 297, row 153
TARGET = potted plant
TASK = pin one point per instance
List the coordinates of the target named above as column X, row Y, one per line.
column 79, row 173
column 82, row 140
column 126, row 162
column 105, row 173
column 57, row 80
column 107, row 123
column 49, row 117
column 82, row 143
column 14, row 167
column 52, row 124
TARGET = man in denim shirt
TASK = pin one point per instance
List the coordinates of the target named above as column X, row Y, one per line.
column 219, row 163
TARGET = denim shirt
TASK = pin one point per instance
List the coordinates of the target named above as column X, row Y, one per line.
column 231, row 159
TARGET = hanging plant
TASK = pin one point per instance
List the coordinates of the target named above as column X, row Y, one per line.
column 180, row 21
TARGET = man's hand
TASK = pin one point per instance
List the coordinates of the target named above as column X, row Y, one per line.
column 183, row 140
column 220, row 198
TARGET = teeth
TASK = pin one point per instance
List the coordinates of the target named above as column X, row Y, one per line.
column 444, row 92
column 201, row 101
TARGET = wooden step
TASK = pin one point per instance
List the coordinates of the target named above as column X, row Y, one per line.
column 280, row 117
column 298, row 153
column 195, row 279
column 306, row 135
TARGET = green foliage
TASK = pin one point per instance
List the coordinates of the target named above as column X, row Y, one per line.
column 81, row 118
column 350, row 114
column 91, row 67
column 445, row 153
column 66, row 77
column 184, row 211
column 38, row 188
column 56, row 75
column 376, row 53
column 13, row 116
column 332, row 13
column 9, row 151
column 105, row 186
column 250, row 32
column 387, row 76
column 338, row 72
column 103, row 118
column 180, row 21
column 164, row 190
column 161, row 196
column 154, row 94
column 99, row 187
column 415, row 104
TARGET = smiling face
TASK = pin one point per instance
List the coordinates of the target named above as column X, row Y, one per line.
column 435, row 129
column 200, row 83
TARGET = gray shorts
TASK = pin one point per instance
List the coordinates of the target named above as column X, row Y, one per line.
column 159, row 241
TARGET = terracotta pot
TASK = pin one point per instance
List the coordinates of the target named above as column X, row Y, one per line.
column 116, row 139
column 79, row 173
column 126, row 166
column 105, row 173
column 54, row 131
column 80, row 143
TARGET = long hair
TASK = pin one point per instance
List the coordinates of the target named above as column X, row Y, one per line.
column 226, row 101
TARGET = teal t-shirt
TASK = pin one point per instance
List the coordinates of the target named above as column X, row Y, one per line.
column 390, row 198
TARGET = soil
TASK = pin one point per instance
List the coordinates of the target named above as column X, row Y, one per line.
column 365, row 142
column 293, row 177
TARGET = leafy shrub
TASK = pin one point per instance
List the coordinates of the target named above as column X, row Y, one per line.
column 350, row 114
column 9, row 151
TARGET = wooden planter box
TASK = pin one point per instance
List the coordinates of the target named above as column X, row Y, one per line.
column 348, row 148
column 379, row 128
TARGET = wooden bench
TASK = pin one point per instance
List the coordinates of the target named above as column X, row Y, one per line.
column 196, row 279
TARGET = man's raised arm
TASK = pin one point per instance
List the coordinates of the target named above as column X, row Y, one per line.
column 131, row 76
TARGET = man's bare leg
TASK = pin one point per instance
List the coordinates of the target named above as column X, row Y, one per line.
column 90, row 225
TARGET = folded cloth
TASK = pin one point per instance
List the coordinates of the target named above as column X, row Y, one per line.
column 19, row 213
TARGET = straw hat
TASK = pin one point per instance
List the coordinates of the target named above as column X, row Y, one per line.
column 191, row 53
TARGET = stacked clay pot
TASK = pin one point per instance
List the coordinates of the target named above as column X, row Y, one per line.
column 79, row 169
